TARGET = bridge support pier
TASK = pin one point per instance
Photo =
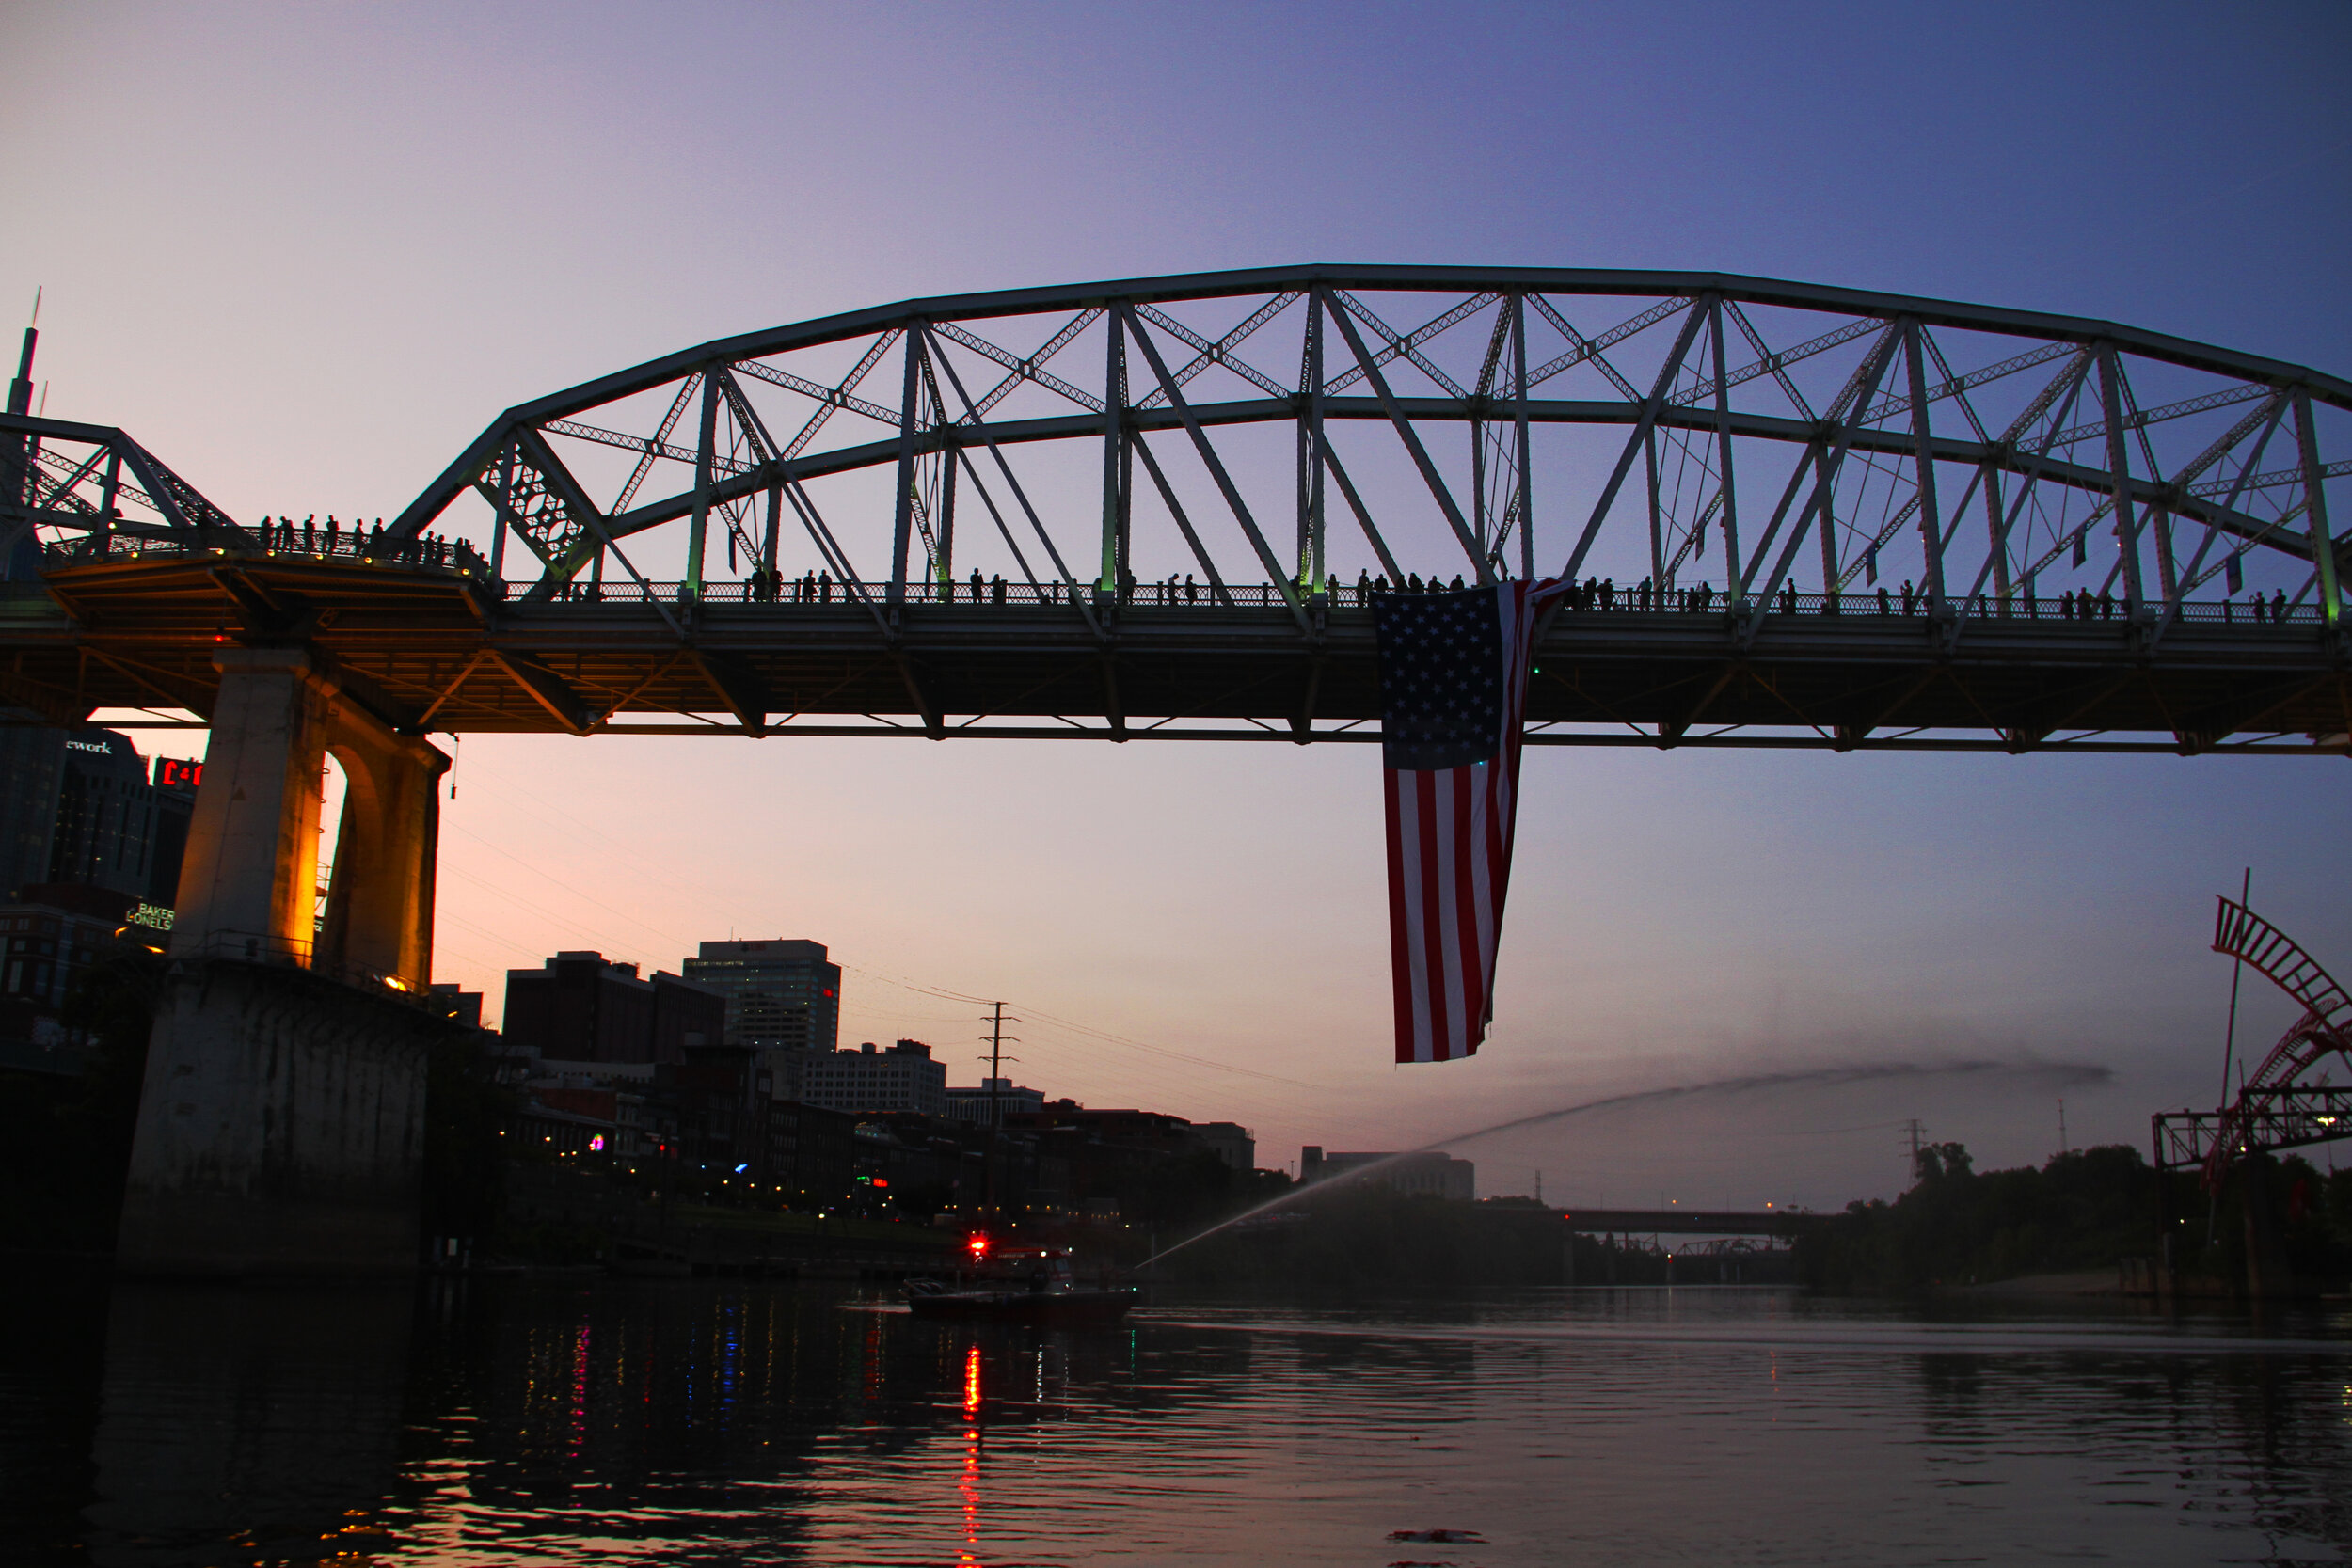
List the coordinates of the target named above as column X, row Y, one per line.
column 281, row 1121
column 2268, row 1277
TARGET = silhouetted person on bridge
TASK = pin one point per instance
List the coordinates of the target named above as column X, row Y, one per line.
column 1911, row 596
column 996, row 589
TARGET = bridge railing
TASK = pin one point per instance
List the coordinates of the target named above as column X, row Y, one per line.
column 1889, row 604
column 456, row 556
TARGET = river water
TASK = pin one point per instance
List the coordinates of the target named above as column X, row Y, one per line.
column 585, row 1420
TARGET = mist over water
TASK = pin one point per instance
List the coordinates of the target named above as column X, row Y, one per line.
column 2048, row 1075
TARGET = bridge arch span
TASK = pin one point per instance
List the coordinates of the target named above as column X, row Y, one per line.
column 1290, row 427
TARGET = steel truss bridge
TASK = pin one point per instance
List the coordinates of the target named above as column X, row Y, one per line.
column 1687, row 1222
column 2292, row 1100
column 1798, row 516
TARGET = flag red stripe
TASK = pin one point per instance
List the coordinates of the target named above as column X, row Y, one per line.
column 1400, row 921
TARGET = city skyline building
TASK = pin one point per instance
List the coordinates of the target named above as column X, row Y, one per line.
column 782, row 993
column 973, row 1102
column 79, row 807
column 783, row 1001
column 1424, row 1173
column 581, row 1006
column 871, row 1080
column 30, row 762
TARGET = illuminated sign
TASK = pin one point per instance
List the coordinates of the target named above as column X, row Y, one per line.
column 176, row 773
column 99, row 746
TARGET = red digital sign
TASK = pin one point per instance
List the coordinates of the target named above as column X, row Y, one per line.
column 175, row 774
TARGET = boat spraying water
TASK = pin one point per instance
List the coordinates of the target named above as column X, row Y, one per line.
column 2064, row 1074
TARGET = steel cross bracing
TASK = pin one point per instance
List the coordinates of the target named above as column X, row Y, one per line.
column 79, row 489
column 1798, row 517
column 2281, row 1116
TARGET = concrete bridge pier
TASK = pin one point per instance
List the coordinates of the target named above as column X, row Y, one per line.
column 282, row 1123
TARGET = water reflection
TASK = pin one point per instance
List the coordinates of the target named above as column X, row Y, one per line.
column 268, row 1421
column 593, row 1421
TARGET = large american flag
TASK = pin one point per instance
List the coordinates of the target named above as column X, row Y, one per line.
column 1454, row 672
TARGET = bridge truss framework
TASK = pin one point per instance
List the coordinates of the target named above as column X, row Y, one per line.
column 1148, row 509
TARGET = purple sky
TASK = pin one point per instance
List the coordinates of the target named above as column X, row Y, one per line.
column 306, row 253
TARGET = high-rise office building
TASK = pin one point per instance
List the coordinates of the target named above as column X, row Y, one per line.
column 782, row 995
column 30, row 762
column 77, row 808
column 583, row 1006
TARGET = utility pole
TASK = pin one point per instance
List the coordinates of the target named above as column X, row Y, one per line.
column 997, row 1038
column 2062, row 1144
column 1913, row 1129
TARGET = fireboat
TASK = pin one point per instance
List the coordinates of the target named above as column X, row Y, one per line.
column 1032, row 1284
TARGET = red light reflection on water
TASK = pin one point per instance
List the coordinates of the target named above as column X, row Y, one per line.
column 968, row 1485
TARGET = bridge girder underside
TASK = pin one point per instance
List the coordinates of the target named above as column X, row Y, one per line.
column 431, row 650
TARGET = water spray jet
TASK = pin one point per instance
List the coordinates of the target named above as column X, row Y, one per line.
column 2065, row 1074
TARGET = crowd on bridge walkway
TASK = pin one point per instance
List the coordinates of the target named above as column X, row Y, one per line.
column 1595, row 594
column 365, row 542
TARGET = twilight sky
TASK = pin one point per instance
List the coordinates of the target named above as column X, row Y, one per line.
column 305, row 253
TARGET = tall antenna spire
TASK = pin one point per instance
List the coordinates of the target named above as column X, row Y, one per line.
column 21, row 389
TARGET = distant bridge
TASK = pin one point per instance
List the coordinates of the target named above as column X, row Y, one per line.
column 1678, row 1221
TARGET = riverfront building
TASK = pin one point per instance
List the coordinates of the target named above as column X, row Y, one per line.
column 1007, row 1098
column 581, row 1006
column 1429, row 1174
column 903, row 1078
